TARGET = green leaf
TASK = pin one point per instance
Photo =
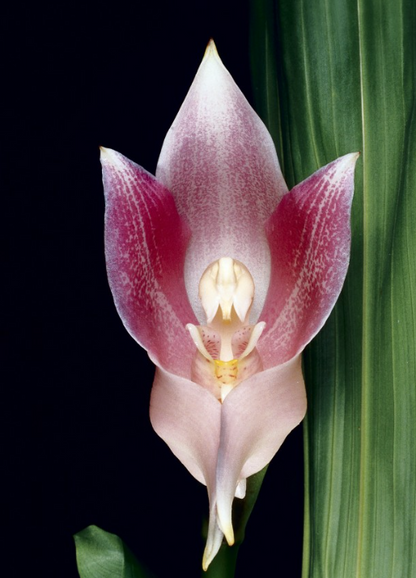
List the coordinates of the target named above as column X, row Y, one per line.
column 104, row 555
column 345, row 75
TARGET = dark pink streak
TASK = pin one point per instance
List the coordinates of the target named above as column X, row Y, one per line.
column 145, row 244
column 309, row 238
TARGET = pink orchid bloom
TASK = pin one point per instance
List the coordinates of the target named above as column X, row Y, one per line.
column 224, row 276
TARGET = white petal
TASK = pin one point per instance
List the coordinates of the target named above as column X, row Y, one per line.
column 220, row 164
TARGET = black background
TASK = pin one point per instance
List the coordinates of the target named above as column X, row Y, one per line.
column 78, row 445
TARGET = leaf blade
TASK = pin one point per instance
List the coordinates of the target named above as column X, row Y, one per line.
column 104, row 555
column 345, row 77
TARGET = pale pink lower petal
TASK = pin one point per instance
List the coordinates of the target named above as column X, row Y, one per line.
column 215, row 536
column 220, row 164
column 187, row 417
column 256, row 418
column 309, row 237
column 146, row 241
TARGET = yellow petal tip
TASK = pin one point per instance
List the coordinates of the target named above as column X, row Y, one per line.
column 206, row 560
column 229, row 535
column 104, row 152
column 211, row 50
column 109, row 156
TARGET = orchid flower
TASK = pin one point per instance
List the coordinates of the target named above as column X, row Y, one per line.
column 224, row 276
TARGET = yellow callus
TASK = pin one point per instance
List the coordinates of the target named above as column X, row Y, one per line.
column 226, row 371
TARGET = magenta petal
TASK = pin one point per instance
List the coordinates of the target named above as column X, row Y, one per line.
column 220, row 164
column 256, row 418
column 309, row 237
column 145, row 242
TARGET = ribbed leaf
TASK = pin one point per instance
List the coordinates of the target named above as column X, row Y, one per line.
column 345, row 76
column 104, row 555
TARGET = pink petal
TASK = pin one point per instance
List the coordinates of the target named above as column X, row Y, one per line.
column 220, row 164
column 309, row 237
column 146, row 241
column 215, row 535
column 256, row 418
column 187, row 417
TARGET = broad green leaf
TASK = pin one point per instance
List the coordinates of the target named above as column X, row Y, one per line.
column 104, row 555
column 344, row 80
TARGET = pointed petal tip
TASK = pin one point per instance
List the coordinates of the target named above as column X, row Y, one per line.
column 345, row 165
column 110, row 159
column 107, row 155
column 209, row 555
column 205, row 562
column 348, row 160
column 354, row 156
column 207, row 558
column 228, row 532
column 211, row 50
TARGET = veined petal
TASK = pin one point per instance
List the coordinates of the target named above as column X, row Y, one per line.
column 256, row 418
column 309, row 236
column 145, row 243
column 220, row 164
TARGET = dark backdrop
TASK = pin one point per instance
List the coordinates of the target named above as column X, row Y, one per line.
column 78, row 445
